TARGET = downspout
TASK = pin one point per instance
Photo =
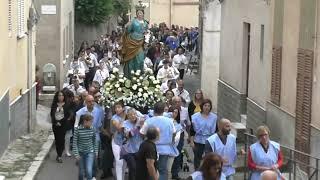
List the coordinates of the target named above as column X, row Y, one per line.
column 201, row 34
column 170, row 13
column 315, row 41
column 29, row 81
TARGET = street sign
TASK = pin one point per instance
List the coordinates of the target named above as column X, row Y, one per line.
column 48, row 9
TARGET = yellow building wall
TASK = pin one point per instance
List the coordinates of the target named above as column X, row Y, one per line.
column 4, row 83
column 14, row 52
column 291, row 20
column 185, row 15
column 159, row 11
column 177, row 12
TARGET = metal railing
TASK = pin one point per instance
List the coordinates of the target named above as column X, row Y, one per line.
column 297, row 165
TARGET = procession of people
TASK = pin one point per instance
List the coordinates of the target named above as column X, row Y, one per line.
column 122, row 139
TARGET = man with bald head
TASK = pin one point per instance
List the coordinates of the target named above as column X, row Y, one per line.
column 224, row 144
column 269, row 175
column 91, row 109
column 185, row 123
column 97, row 115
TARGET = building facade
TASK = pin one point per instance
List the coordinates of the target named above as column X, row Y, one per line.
column 210, row 51
column 172, row 12
column 55, row 36
column 268, row 71
column 17, row 69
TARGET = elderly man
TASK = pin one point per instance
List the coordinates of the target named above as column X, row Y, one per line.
column 98, row 116
column 269, row 175
column 181, row 92
column 90, row 108
column 164, row 145
column 185, row 123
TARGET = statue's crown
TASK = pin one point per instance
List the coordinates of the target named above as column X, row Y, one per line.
column 140, row 6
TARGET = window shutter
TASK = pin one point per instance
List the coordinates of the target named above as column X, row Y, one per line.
column 276, row 74
column 21, row 18
column 9, row 16
column 304, row 102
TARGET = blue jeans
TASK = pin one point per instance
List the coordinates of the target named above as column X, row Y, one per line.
column 163, row 167
column 178, row 161
column 86, row 165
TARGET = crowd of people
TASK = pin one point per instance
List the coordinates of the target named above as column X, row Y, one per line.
column 122, row 138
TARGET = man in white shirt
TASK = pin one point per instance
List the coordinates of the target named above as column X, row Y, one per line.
column 180, row 62
column 167, row 73
column 101, row 74
column 75, row 87
column 181, row 92
column 77, row 68
column 91, row 62
column 91, row 59
column 148, row 63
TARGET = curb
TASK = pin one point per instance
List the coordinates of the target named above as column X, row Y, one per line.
column 38, row 161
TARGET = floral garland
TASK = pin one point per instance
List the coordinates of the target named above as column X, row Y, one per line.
column 141, row 91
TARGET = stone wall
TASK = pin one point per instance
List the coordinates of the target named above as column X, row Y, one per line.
column 90, row 33
column 256, row 115
column 4, row 122
column 19, row 116
column 16, row 119
column 280, row 121
column 231, row 104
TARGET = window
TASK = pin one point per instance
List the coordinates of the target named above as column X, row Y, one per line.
column 21, row 19
column 262, row 42
column 10, row 16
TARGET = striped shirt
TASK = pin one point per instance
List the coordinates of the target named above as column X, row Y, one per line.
column 84, row 141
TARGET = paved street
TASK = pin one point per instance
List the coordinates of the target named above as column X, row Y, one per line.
column 51, row 170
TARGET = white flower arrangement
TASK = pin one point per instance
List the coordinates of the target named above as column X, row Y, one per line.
column 141, row 91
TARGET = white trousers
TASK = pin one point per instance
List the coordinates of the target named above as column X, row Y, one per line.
column 169, row 165
column 67, row 141
column 120, row 164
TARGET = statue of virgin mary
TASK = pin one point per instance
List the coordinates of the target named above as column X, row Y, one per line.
column 132, row 44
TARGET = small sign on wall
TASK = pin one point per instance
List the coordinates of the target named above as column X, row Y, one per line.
column 48, row 9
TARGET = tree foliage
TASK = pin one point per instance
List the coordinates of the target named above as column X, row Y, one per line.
column 121, row 9
column 93, row 12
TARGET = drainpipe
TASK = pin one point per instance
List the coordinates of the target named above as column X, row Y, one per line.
column 29, row 81
column 31, row 96
column 201, row 9
column 170, row 14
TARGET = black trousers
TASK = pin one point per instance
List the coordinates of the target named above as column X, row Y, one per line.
column 107, row 155
column 131, row 163
column 181, row 73
column 89, row 77
column 198, row 152
column 59, row 135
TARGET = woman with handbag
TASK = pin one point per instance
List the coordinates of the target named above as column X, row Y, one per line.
column 60, row 114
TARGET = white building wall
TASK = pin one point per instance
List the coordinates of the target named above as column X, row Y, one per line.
column 232, row 66
column 211, row 51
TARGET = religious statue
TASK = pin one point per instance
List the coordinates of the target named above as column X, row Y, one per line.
column 132, row 44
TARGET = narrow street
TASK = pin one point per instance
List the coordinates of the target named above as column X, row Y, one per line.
column 51, row 170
